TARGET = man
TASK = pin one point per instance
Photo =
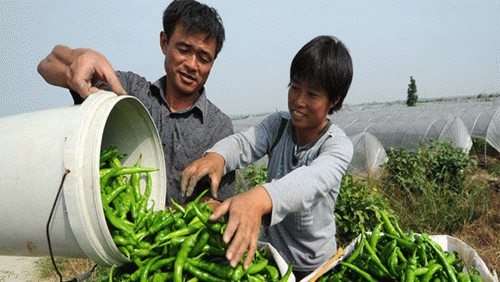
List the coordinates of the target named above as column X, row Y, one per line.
column 188, row 123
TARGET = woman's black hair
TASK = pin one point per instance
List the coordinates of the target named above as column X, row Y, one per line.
column 194, row 17
column 324, row 62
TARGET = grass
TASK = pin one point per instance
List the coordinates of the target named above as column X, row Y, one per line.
column 70, row 268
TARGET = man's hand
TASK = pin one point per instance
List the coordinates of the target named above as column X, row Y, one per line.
column 78, row 69
column 245, row 218
column 212, row 164
column 88, row 68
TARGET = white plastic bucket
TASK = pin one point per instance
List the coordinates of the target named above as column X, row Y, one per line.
column 36, row 150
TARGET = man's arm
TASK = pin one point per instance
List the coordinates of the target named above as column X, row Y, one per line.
column 77, row 69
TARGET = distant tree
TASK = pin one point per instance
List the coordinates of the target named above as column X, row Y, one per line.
column 412, row 93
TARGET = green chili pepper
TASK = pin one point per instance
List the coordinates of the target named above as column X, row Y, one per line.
column 375, row 236
column 422, row 252
column 449, row 256
column 421, row 270
column 120, row 240
column 113, row 267
column 400, row 232
column 167, row 220
column 388, row 250
column 374, row 256
column 145, row 271
column 211, row 250
column 144, row 253
column 257, row 267
column 178, row 207
column 392, row 261
column 447, row 267
column 474, row 274
column 119, row 223
column 202, row 241
column 111, row 196
column 361, row 272
column 181, row 232
column 125, row 170
column 475, row 278
column 432, row 269
column 183, row 254
column 162, row 276
column 126, row 206
column 463, row 277
column 238, row 273
column 403, row 243
column 357, row 250
column 125, row 251
column 287, row 273
column 203, row 276
column 389, row 228
column 217, row 269
column 105, row 174
column 161, row 263
column 272, row 273
column 108, row 153
column 149, row 185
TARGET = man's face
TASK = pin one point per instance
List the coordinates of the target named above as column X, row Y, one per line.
column 188, row 60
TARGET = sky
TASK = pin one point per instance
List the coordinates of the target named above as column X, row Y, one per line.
column 450, row 48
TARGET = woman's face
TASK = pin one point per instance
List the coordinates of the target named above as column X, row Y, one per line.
column 308, row 107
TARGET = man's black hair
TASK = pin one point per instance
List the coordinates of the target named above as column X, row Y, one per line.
column 194, row 17
column 326, row 63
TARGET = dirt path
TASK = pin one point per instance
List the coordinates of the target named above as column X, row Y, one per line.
column 18, row 268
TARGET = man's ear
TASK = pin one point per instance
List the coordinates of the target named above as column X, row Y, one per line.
column 163, row 42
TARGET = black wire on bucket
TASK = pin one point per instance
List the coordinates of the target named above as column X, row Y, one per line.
column 83, row 276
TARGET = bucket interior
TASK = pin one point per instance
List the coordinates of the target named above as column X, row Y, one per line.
column 124, row 123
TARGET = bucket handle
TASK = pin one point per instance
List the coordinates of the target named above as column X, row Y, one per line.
column 83, row 276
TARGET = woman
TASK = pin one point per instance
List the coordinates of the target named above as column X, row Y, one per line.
column 308, row 156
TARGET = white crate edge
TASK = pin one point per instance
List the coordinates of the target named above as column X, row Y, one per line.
column 448, row 243
column 282, row 265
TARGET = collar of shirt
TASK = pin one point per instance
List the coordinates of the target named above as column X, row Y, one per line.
column 199, row 106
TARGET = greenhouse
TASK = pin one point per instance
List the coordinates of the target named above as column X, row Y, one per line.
column 368, row 155
column 406, row 132
column 480, row 117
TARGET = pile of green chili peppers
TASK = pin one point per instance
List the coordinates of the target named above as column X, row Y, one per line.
column 172, row 244
column 388, row 254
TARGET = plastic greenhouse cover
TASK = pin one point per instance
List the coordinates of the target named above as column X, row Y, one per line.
column 368, row 155
column 406, row 132
column 480, row 117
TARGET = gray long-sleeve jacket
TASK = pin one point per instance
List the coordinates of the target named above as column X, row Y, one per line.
column 303, row 183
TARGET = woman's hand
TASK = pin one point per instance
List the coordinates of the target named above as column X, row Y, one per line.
column 212, row 164
column 243, row 227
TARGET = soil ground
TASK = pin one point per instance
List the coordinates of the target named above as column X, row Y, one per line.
column 18, row 268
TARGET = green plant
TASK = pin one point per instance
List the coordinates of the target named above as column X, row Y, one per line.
column 254, row 175
column 431, row 188
column 357, row 204
column 437, row 164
